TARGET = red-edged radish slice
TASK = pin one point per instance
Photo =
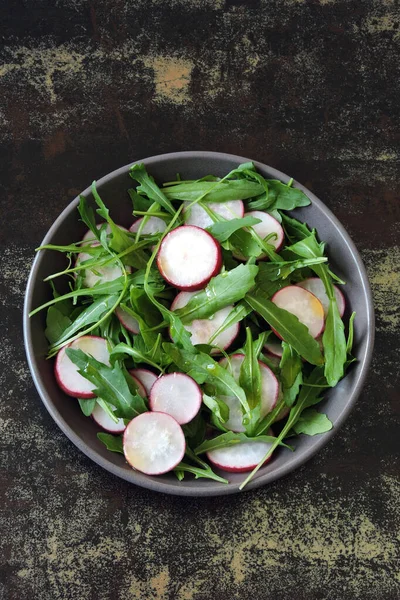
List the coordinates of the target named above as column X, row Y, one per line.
column 66, row 372
column 274, row 348
column 154, row 443
column 100, row 274
column 316, row 287
column 127, row 320
column 196, row 215
column 284, row 411
column 89, row 234
column 141, row 390
column 152, row 225
column 104, row 420
column 146, row 378
column 203, row 329
column 188, row 257
column 240, row 457
column 304, row 305
column 269, row 392
column 177, row 395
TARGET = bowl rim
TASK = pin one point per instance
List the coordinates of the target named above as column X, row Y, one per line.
column 218, row 489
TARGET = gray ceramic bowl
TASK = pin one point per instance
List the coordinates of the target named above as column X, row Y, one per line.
column 82, row 431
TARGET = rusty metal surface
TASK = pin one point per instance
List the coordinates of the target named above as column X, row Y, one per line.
column 310, row 87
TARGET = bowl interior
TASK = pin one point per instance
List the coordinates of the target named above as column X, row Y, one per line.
column 344, row 260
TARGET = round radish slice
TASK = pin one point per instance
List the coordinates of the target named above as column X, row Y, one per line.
column 274, row 348
column 99, row 274
column 152, row 225
column 203, row 329
column 127, row 320
column 188, row 257
column 154, row 443
column 316, row 287
column 304, row 305
column 89, row 234
column 240, row 457
column 104, row 420
column 284, row 411
column 146, row 378
column 66, row 372
column 141, row 390
column 269, row 392
column 196, row 215
column 177, row 395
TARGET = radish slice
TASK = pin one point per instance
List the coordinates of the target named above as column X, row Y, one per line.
column 127, row 320
column 284, row 411
column 99, row 274
column 188, row 257
column 304, row 305
column 269, row 392
column 203, row 329
column 104, row 420
column 177, row 395
column 240, row 457
column 66, row 372
column 274, row 348
column 146, row 378
column 152, row 225
column 267, row 226
column 196, row 215
column 89, row 234
column 154, row 443
column 316, row 287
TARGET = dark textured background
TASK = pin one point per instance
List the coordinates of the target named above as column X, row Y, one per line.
column 308, row 86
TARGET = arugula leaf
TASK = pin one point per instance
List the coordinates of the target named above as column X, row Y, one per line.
column 232, row 189
column 198, row 472
column 312, row 422
column 224, row 289
column 290, row 365
column 237, row 314
column 217, row 406
column 230, row 439
column 87, row 406
column 92, row 314
column 195, row 431
column 139, row 355
column 120, row 240
column 87, row 216
column 139, row 202
column 56, row 324
column 112, row 442
column 149, row 187
column 350, row 337
column 290, row 393
column 294, row 229
column 282, row 269
column 223, row 230
column 250, row 375
column 202, row 368
column 289, row 328
column 110, row 384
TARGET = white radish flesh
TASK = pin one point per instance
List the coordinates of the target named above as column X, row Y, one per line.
column 189, row 257
column 274, row 348
column 146, row 378
column 269, row 392
column 99, row 274
column 203, row 329
column 154, row 443
column 316, row 287
column 178, row 395
column 66, row 372
column 104, row 420
column 304, row 305
column 196, row 215
column 240, row 457
column 152, row 225
column 127, row 320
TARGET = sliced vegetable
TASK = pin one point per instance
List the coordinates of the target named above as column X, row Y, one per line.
column 304, row 305
column 177, row 395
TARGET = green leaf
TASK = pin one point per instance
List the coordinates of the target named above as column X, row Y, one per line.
column 149, row 187
column 223, row 191
column 56, row 324
column 224, row 289
column 350, row 337
column 223, row 230
column 217, row 407
column 311, row 422
column 250, row 375
column 198, row 472
column 288, row 327
column 139, row 202
column 290, row 365
column 87, row 406
column 282, row 269
column 110, row 384
column 120, row 239
column 334, row 342
column 237, row 314
column 195, row 430
column 290, row 393
column 87, row 216
column 294, row 229
column 112, row 442
column 138, row 354
column 230, row 439
column 202, row 368
column 91, row 314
